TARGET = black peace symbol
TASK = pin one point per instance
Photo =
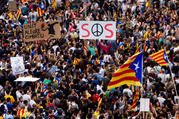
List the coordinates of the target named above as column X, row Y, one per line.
column 97, row 29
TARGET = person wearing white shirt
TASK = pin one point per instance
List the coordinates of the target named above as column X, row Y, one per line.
column 18, row 94
column 127, row 91
column 33, row 15
column 163, row 76
column 102, row 71
column 161, row 99
column 26, row 96
column 32, row 102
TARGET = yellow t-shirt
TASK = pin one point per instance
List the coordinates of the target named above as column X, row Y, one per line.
column 145, row 35
column 11, row 97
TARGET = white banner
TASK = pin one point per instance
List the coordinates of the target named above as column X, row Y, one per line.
column 105, row 30
column 27, row 79
column 17, row 64
column 144, row 104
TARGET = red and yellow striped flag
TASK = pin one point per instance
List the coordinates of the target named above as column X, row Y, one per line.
column 76, row 61
column 99, row 102
column 39, row 11
column 19, row 11
column 145, row 48
column 138, row 49
column 136, row 97
column 54, row 5
column 21, row 112
column 159, row 34
column 160, row 57
column 129, row 73
column 85, row 50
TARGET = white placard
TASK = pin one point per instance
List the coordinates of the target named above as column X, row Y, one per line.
column 27, row 79
column 144, row 104
column 105, row 30
column 17, row 64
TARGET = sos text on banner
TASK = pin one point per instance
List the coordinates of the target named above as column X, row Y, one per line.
column 105, row 30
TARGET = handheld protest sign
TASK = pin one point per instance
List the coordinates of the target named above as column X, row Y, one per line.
column 12, row 5
column 97, row 30
column 17, row 64
column 41, row 31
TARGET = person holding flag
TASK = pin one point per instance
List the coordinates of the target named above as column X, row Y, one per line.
column 161, row 58
column 89, row 84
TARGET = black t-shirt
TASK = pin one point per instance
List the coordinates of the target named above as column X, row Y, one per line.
column 106, row 6
column 78, row 53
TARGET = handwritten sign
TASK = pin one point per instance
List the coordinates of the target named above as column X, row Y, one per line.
column 41, row 31
column 17, row 64
column 12, row 5
column 144, row 104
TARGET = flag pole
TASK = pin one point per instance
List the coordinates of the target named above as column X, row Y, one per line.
column 142, row 71
column 143, row 113
column 173, row 80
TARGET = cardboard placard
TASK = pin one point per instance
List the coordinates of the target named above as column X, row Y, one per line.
column 12, row 5
column 41, row 31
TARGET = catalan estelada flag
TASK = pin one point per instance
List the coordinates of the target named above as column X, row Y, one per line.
column 160, row 57
column 129, row 73
column 23, row 113
column 45, row 94
column 19, row 11
column 145, row 48
column 85, row 50
column 121, row 45
column 39, row 11
column 139, row 49
column 57, row 80
column 136, row 97
column 44, row 88
column 76, row 61
column 54, row 5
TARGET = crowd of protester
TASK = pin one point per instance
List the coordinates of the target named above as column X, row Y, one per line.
column 74, row 73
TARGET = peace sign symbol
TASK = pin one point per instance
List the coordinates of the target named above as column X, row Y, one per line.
column 97, row 29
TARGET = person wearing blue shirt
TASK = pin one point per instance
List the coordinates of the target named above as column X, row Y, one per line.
column 91, row 48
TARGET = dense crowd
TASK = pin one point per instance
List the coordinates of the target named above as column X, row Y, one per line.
column 74, row 73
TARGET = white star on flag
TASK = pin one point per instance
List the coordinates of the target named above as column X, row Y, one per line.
column 136, row 66
column 165, row 57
